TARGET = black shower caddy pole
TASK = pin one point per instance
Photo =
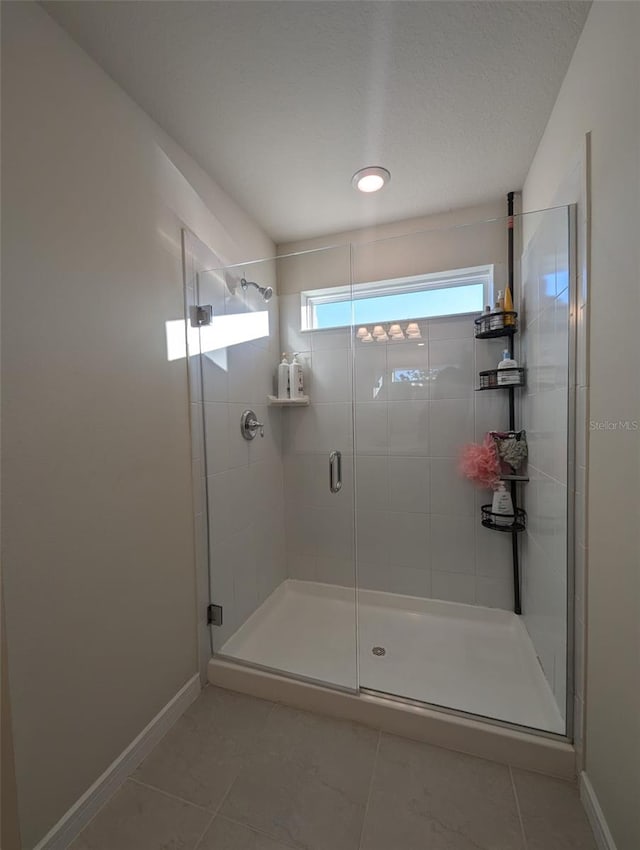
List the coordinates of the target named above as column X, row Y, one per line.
column 512, row 406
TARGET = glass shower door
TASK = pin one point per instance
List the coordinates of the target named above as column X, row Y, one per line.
column 436, row 594
column 279, row 473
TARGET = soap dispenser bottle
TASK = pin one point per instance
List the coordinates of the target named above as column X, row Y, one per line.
column 502, row 506
column 505, row 374
column 296, row 378
column 283, row 378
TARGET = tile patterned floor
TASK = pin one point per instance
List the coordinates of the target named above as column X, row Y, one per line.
column 238, row 773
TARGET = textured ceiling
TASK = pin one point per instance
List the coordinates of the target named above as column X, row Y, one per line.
column 281, row 102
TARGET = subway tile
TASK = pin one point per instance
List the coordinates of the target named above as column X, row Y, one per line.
column 198, row 484
column 408, row 371
column 215, row 367
column 391, row 578
column 373, row 532
column 340, row 571
column 409, row 484
column 451, row 362
column 241, row 382
column 292, row 338
column 370, row 373
column 488, row 353
column 491, row 413
column 408, row 428
column 494, row 592
column 268, row 447
column 451, row 327
column 334, row 533
column 237, row 448
column 409, row 544
column 372, row 482
column 216, row 424
column 453, row 587
column 301, row 567
column 451, row 494
column 371, row 429
column 334, row 427
column 453, row 544
column 330, row 376
column 222, row 566
column 493, row 554
column 450, row 426
column 331, row 339
column 197, row 430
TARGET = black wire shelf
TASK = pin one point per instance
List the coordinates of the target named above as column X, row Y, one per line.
column 507, row 523
column 502, row 379
column 495, row 325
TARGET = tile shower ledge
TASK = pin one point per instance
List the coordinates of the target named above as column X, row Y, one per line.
column 475, row 737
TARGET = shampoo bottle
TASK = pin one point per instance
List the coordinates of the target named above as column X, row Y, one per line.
column 507, row 377
column 296, row 379
column 502, row 506
column 283, row 378
column 508, row 308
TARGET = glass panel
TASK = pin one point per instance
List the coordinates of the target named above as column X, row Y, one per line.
column 280, row 542
column 547, row 341
column 435, row 587
column 394, row 402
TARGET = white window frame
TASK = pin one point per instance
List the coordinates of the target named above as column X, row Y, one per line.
column 401, row 285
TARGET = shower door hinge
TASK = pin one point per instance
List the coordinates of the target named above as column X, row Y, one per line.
column 214, row 615
column 201, row 315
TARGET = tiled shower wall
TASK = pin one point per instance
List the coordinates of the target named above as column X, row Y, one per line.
column 243, row 480
column 545, row 405
column 417, row 520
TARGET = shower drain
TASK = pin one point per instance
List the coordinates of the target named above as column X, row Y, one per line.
column 379, row 650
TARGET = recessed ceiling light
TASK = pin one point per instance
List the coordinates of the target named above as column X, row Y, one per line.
column 370, row 179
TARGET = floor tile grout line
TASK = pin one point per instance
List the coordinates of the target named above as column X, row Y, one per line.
column 517, row 801
column 371, row 781
column 239, row 771
column 259, row 831
column 170, row 795
column 204, row 832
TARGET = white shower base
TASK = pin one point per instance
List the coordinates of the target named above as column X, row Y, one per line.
column 473, row 659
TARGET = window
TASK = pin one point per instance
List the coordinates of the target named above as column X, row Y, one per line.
column 421, row 297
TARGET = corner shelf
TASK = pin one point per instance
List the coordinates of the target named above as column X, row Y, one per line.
column 518, row 520
column 274, row 401
column 483, row 329
column 489, row 378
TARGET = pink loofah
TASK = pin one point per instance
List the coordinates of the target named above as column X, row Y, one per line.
column 480, row 463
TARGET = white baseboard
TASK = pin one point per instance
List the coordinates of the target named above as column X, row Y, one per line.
column 83, row 810
column 595, row 815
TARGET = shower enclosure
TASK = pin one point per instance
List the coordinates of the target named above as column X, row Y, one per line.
column 343, row 546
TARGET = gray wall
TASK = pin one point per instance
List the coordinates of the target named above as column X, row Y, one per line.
column 600, row 96
column 98, row 531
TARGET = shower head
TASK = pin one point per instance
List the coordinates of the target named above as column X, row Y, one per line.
column 265, row 291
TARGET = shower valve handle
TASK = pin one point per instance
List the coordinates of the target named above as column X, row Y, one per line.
column 249, row 425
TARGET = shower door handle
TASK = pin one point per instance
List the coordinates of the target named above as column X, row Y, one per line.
column 335, row 471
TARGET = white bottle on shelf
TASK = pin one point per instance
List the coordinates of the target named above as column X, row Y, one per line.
column 502, row 507
column 283, row 378
column 296, row 378
column 507, row 378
